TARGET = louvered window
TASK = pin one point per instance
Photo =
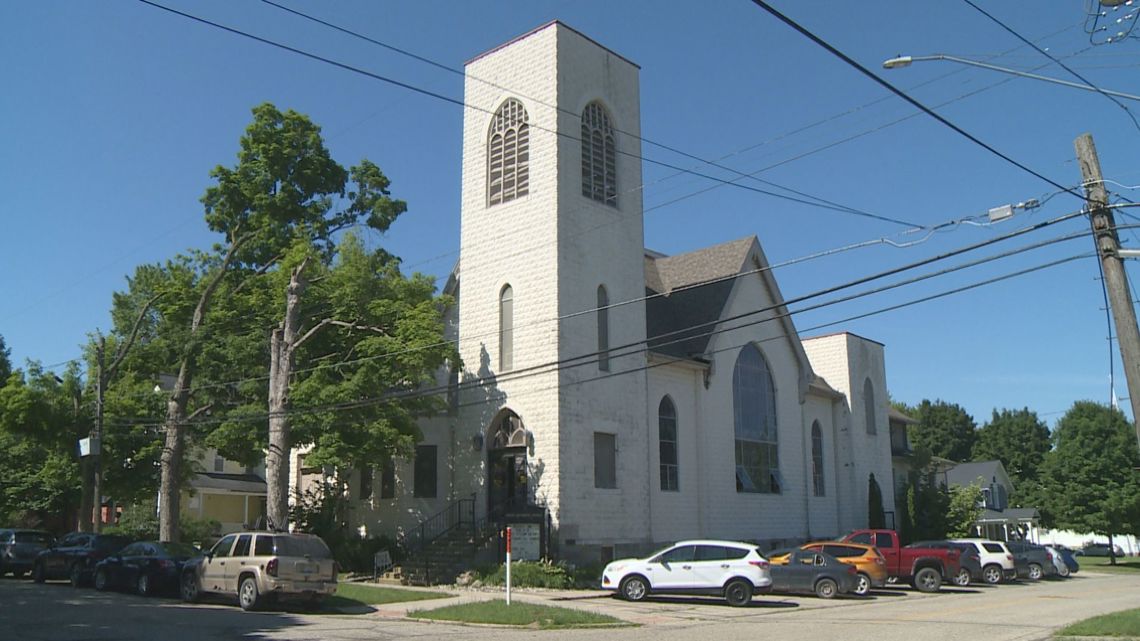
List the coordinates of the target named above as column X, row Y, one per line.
column 599, row 167
column 508, row 154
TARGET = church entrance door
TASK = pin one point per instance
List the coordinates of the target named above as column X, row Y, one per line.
column 508, row 480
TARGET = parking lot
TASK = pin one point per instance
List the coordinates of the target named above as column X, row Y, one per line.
column 57, row 612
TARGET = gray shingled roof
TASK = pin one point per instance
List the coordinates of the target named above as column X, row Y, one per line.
column 695, row 288
column 964, row 474
column 1009, row 515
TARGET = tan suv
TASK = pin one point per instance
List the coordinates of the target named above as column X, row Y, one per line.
column 262, row 566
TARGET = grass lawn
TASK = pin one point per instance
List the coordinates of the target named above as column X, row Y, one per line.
column 1100, row 564
column 352, row 594
column 542, row 617
column 1117, row 624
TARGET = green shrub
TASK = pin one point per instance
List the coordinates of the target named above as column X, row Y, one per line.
column 201, row 532
column 531, row 574
column 140, row 522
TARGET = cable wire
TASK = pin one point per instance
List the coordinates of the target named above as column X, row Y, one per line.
column 901, row 94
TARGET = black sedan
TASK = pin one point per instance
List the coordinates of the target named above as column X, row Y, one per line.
column 146, row 567
column 75, row 555
column 817, row 573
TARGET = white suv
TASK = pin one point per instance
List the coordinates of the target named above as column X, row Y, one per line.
column 995, row 558
column 262, row 566
column 730, row 569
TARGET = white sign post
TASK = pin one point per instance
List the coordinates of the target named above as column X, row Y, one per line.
column 508, row 566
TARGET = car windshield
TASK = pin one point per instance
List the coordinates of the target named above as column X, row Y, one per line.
column 42, row 538
column 301, row 546
column 180, row 549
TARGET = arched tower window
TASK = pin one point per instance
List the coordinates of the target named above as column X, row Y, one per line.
column 508, row 154
column 754, row 416
column 603, row 329
column 817, row 459
column 667, row 445
column 869, row 405
column 506, row 328
column 599, row 167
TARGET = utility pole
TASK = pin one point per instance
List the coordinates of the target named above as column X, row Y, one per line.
column 1116, row 281
column 97, row 439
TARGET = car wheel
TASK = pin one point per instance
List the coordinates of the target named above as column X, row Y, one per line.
column 142, row 586
column 927, row 580
column 634, row 588
column 247, row 593
column 738, row 592
column 189, row 588
column 1063, row 571
column 100, row 579
column 991, row 574
column 38, row 573
column 826, row 588
column 862, row 585
column 75, row 574
column 1034, row 572
column 962, row 579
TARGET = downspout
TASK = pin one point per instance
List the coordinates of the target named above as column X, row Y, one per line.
column 698, row 378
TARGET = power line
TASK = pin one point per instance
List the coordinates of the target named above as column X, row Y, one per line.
column 683, row 332
column 493, row 380
column 901, row 94
column 664, row 146
column 454, row 101
column 1055, row 60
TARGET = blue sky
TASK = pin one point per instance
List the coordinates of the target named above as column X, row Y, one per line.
column 114, row 113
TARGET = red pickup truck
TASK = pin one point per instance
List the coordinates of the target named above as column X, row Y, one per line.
column 923, row 568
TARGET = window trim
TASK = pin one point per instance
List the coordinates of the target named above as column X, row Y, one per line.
column 508, row 153
column 599, row 154
column 819, row 487
column 670, row 472
column 603, row 317
column 754, row 398
column 506, row 328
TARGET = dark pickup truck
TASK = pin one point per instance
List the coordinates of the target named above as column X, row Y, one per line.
column 923, row 568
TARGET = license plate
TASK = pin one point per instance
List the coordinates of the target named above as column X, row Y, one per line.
column 306, row 568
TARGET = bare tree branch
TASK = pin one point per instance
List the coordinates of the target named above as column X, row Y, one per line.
column 121, row 353
column 198, row 412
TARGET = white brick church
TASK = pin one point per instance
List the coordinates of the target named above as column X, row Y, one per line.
column 638, row 398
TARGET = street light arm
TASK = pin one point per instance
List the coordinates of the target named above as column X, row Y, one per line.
column 905, row 61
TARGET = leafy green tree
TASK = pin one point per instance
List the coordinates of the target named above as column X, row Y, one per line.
column 1017, row 438
column 38, row 432
column 944, row 429
column 294, row 198
column 285, row 189
column 926, row 502
column 963, row 510
column 1090, row 477
column 5, row 362
column 876, row 518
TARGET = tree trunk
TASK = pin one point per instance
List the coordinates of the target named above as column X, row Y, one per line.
column 1111, row 551
column 169, row 493
column 173, row 450
column 281, row 357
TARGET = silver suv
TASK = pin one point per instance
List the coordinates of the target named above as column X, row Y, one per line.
column 259, row 567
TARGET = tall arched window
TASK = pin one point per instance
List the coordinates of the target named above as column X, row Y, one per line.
column 506, row 328
column 869, row 405
column 599, row 167
column 508, row 154
column 754, row 416
column 603, row 329
column 667, row 445
column 817, row 459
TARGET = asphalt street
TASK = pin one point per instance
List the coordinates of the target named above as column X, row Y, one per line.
column 57, row 612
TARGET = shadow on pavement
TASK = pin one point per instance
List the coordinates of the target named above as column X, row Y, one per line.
column 757, row 602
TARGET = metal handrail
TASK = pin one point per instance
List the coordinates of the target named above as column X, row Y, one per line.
column 456, row 514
